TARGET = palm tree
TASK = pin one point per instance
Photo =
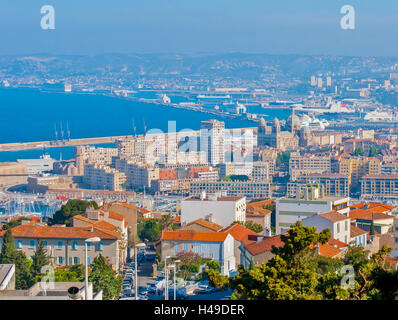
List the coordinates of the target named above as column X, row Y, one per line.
column 166, row 221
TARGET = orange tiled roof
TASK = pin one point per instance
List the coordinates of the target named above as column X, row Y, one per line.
column 338, row 243
column 240, row 232
column 207, row 224
column 366, row 215
column 256, row 248
column 186, row 235
column 355, row 231
column 29, row 231
column 327, row 250
column 115, row 216
column 333, row 216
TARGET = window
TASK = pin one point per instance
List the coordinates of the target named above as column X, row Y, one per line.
column 76, row 260
column 74, row 245
column 61, row 260
column 19, row 244
column 88, row 246
column 396, row 240
column 346, row 225
column 100, row 246
column 45, row 242
column 338, row 227
column 88, row 260
column 70, row 260
column 31, row 244
column 59, row 245
column 185, row 247
column 175, row 248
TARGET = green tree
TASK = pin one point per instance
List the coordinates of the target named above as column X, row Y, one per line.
column 9, row 255
column 69, row 210
column 104, row 278
column 150, row 230
column 359, row 151
column 13, row 223
column 74, row 273
column 283, row 158
column 166, row 221
column 290, row 275
column 39, row 259
column 190, row 263
column 373, row 151
column 216, row 279
column 213, row 265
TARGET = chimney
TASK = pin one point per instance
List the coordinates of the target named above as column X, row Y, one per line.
column 267, row 232
column 210, row 218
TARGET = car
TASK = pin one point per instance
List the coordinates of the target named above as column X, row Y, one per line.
column 142, row 290
column 179, row 295
column 141, row 297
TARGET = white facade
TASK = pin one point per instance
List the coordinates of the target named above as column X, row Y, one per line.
column 290, row 210
column 224, row 210
column 340, row 229
column 212, row 135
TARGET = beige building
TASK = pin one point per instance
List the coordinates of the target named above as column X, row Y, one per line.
column 102, row 177
column 306, row 164
column 137, row 174
column 357, row 167
column 66, row 245
column 12, row 173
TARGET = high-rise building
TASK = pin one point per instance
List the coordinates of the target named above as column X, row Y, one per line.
column 313, row 81
column 212, row 140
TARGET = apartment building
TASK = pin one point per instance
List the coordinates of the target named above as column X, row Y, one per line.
column 66, row 245
column 289, row 210
column 102, row 177
column 335, row 184
column 256, row 171
column 249, row 189
column 137, row 174
column 212, row 135
column 380, row 187
column 306, row 164
column 223, row 210
column 93, row 155
column 337, row 223
column 268, row 156
column 217, row 246
column 357, row 167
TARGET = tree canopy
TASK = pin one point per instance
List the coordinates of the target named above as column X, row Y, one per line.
column 69, row 210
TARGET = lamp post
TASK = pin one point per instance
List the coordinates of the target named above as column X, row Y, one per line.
column 89, row 240
column 138, row 245
column 175, row 275
column 166, row 293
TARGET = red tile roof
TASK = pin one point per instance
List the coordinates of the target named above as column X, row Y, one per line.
column 333, row 216
column 256, row 248
column 355, row 231
column 206, row 224
column 240, row 233
column 36, row 231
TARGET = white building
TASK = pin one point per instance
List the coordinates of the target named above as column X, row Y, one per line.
column 37, row 166
column 338, row 224
column 212, row 135
column 222, row 210
column 291, row 210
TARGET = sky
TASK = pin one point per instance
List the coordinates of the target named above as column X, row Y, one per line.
column 199, row 26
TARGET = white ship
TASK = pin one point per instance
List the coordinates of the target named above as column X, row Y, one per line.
column 375, row 116
column 313, row 123
column 331, row 107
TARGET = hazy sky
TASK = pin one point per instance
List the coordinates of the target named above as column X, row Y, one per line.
column 188, row 26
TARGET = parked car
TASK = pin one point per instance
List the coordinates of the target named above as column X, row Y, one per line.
column 142, row 290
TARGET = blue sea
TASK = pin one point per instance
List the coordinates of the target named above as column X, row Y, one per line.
column 31, row 115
